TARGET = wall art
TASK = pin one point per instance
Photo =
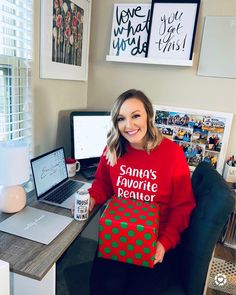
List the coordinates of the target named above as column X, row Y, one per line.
column 203, row 135
column 65, row 27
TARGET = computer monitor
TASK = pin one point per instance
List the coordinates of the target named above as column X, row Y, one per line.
column 89, row 135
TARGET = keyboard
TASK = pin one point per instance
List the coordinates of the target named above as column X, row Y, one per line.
column 63, row 192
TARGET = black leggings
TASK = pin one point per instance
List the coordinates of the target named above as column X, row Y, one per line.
column 110, row 277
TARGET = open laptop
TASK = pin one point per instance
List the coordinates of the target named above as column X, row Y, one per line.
column 52, row 184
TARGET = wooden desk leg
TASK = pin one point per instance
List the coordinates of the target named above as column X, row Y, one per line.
column 24, row 285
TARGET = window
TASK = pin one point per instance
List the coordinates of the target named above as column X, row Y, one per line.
column 15, row 70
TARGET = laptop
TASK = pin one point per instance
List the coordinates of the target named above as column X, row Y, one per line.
column 52, row 184
column 30, row 223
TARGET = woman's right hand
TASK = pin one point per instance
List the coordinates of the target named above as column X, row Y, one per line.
column 92, row 202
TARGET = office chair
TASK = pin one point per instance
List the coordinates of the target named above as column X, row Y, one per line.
column 214, row 203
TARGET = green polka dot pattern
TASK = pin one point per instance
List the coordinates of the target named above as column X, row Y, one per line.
column 131, row 233
column 107, row 236
column 114, row 244
column 112, row 212
column 121, row 209
column 117, row 217
column 107, row 250
column 145, row 263
column 139, row 227
column 108, row 222
column 122, row 253
column 130, row 247
column 115, row 230
column 124, row 225
column 128, row 231
column 123, row 239
column 146, row 250
column 139, row 242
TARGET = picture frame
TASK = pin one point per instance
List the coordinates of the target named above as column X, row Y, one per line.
column 64, row 48
column 130, row 28
column 211, row 63
column 203, row 135
column 173, row 28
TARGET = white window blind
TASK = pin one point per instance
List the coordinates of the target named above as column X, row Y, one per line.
column 15, row 70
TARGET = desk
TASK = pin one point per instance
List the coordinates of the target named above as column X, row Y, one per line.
column 33, row 265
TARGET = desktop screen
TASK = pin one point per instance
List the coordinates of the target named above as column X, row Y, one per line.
column 89, row 134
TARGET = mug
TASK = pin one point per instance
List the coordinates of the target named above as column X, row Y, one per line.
column 72, row 166
column 229, row 173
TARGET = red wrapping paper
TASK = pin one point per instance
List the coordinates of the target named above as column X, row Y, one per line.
column 128, row 231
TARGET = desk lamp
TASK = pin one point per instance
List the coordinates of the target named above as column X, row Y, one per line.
column 14, row 170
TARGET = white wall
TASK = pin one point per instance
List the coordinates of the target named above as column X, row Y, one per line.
column 166, row 85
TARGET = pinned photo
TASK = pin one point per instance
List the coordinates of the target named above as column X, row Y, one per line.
column 161, row 117
column 195, row 121
column 183, row 134
column 214, row 142
column 166, row 131
column 178, row 119
column 211, row 157
column 193, row 153
column 213, row 124
column 199, row 136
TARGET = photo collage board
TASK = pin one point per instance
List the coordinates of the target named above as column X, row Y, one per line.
column 202, row 135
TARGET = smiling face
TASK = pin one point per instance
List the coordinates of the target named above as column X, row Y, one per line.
column 132, row 122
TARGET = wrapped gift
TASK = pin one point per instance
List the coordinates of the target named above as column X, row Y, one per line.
column 128, row 231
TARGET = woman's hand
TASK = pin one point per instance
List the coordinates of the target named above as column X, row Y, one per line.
column 91, row 203
column 160, row 252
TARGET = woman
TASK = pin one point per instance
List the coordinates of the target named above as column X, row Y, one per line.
column 136, row 150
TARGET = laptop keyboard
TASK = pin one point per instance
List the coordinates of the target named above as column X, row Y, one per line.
column 60, row 194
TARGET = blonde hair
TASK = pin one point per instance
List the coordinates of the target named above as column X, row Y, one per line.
column 116, row 143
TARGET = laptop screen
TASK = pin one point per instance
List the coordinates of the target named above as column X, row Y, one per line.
column 49, row 170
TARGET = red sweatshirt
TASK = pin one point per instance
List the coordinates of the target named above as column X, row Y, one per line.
column 162, row 176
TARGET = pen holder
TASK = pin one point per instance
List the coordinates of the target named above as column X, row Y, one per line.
column 229, row 173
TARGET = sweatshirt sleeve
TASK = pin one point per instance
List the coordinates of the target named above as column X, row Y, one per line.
column 181, row 205
column 101, row 188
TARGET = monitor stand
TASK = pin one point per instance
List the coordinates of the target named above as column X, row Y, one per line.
column 89, row 171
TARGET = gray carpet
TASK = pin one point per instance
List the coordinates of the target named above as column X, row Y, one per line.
column 73, row 269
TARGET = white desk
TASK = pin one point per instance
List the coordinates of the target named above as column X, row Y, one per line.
column 4, row 278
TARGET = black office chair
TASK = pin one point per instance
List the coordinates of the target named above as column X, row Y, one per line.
column 215, row 202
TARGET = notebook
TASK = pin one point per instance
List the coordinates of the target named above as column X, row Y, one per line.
column 52, row 184
column 35, row 224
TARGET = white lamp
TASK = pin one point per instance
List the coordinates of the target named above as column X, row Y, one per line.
column 14, row 170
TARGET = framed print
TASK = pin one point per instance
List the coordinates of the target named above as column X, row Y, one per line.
column 203, row 135
column 130, row 28
column 172, row 30
column 65, row 27
column 218, row 46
